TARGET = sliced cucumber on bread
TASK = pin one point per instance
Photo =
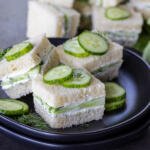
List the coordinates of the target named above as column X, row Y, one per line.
column 18, row 50
column 79, row 79
column 115, row 96
column 11, row 107
column 72, row 47
column 93, row 43
column 117, row 13
column 58, row 74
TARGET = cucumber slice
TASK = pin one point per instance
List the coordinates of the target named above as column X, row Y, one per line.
column 114, row 105
column 11, row 107
column 116, row 13
column 25, row 107
column 72, row 47
column 80, row 79
column 114, row 92
column 58, row 74
column 146, row 53
column 18, row 50
column 93, row 43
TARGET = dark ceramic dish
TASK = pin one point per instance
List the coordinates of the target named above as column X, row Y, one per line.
column 134, row 77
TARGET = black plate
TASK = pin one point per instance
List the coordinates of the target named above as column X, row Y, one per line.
column 110, row 143
column 134, row 77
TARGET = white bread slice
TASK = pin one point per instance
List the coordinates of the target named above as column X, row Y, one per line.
column 64, row 3
column 51, row 20
column 69, row 119
column 93, row 62
column 132, row 24
column 42, row 46
column 143, row 6
column 19, row 90
column 58, row 96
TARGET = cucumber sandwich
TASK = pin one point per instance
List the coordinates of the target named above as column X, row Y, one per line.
column 64, row 97
column 107, row 3
column 21, row 64
column 143, row 6
column 54, row 21
column 93, row 52
column 115, row 96
column 121, row 24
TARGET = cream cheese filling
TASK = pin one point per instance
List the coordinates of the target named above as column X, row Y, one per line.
column 107, row 66
column 100, row 101
column 12, row 81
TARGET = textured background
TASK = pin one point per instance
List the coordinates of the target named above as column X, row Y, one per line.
column 12, row 30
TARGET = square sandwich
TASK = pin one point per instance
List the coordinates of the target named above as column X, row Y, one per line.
column 54, row 21
column 122, row 24
column 21, row 64
column 64, row 97
column 105, row 66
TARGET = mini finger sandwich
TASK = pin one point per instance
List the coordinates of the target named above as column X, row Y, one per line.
column 122, row 24
column 64, row 97
column 143, row 6
column 21, row 64
column 54, row 21
column 107, row 3
column 93, row 52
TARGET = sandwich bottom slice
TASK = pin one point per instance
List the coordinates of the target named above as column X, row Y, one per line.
column 68, row 116
column 126, row 38
column 19, row 85
column 108, row 72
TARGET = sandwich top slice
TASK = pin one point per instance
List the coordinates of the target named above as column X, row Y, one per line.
column 105, row 64
column 63, row 3
column 143, row 6
column 21, row 64
column 52, row 20
column 71, row 101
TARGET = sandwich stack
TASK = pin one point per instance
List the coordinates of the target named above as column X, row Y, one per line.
column 21, row 65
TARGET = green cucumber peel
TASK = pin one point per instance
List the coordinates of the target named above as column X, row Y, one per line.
column 18, row 50
column 11, row 107
column 58, row 74
column 80, row 79
column 73, row 48
column 112, row 106
column 93, row 43
column 117, row 13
